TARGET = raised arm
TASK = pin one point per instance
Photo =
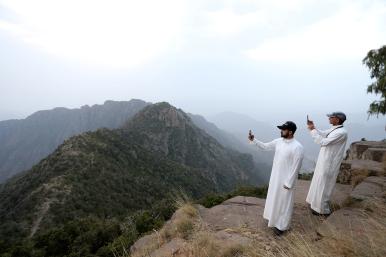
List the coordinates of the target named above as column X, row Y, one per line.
column 315, row 131
column 322, row 133
column 336, row 136
column 297, row 163
column 265, row 146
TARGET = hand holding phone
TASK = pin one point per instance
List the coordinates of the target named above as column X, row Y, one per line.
column 310, row 123
column 250, row 135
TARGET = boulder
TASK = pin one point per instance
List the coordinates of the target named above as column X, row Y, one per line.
column 147, row 242
column 358, row 150
column 364, row 158
column 374, row 154
column 369, row 188
column 340, row 193
column 171, row 248
column 359, row 231
column 350, row 169
column 237, row 212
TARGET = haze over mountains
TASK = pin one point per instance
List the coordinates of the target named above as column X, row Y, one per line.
column 25, row 142
column 97, row 165
column 357, row 125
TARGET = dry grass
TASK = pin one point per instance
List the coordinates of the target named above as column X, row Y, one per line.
column 358, row 176
column 204, row 244
column 182, row 225
column 292, row 245
column 359, row 236
column 183, row 222
column 340, row 242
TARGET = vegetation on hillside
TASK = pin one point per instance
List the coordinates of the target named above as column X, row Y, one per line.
column 101, row 190
column 375, row 60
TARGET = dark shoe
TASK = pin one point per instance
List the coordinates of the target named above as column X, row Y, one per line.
column 319, row 214
column 315, row 213
column 278, row 232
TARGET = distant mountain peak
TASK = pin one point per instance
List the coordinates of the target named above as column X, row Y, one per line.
column 160, row 114
column 26, row 141
column 114, row 172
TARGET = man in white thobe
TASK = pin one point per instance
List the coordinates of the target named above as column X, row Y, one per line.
column 333, row 143
column 286, row 164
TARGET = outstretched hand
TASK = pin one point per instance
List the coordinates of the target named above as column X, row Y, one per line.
column 310, row 124
column 251, row 136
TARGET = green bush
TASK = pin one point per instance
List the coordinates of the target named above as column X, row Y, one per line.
column 305, row 176
column 214, row 199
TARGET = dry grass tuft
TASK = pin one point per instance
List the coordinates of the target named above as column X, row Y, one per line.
column 358, row 176
column 204, row 244
column 183, row 221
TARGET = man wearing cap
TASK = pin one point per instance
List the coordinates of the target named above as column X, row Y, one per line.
column 286, row 164
column 333, row 143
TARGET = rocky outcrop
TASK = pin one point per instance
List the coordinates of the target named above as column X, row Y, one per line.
column 238, row 221
column 371, row 187
column 361, row 224
column 357, row 226
column 366, row 150
column 364, row 158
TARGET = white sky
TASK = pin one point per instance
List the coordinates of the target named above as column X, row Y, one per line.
column 256, row 57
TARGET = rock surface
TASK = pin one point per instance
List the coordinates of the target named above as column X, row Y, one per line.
column 364, row 158
column 240, row 220
column 359, row 150
column 369, row 188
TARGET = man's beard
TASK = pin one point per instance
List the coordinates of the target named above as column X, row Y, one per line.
column 284, row 136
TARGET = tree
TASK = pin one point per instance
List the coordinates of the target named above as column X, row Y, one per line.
column 376, row 62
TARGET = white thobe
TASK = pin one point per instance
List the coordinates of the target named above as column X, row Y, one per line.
column 286, row 164
column 333, row 143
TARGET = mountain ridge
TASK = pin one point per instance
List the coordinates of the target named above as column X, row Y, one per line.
column 26, row 141
column 112, row 173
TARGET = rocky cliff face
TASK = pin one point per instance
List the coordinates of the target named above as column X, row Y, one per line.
column 171, row 133
column 364, row 158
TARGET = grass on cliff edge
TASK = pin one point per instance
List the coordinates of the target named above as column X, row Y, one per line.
column 367, row 239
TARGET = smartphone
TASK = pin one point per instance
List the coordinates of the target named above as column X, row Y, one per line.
column 251, row 136
column 308, row 120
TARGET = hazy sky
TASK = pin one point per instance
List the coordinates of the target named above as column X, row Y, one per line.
column 255, row 57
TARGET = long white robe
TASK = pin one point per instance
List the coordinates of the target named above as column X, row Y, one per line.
column 286, row 164
column 333, row 142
